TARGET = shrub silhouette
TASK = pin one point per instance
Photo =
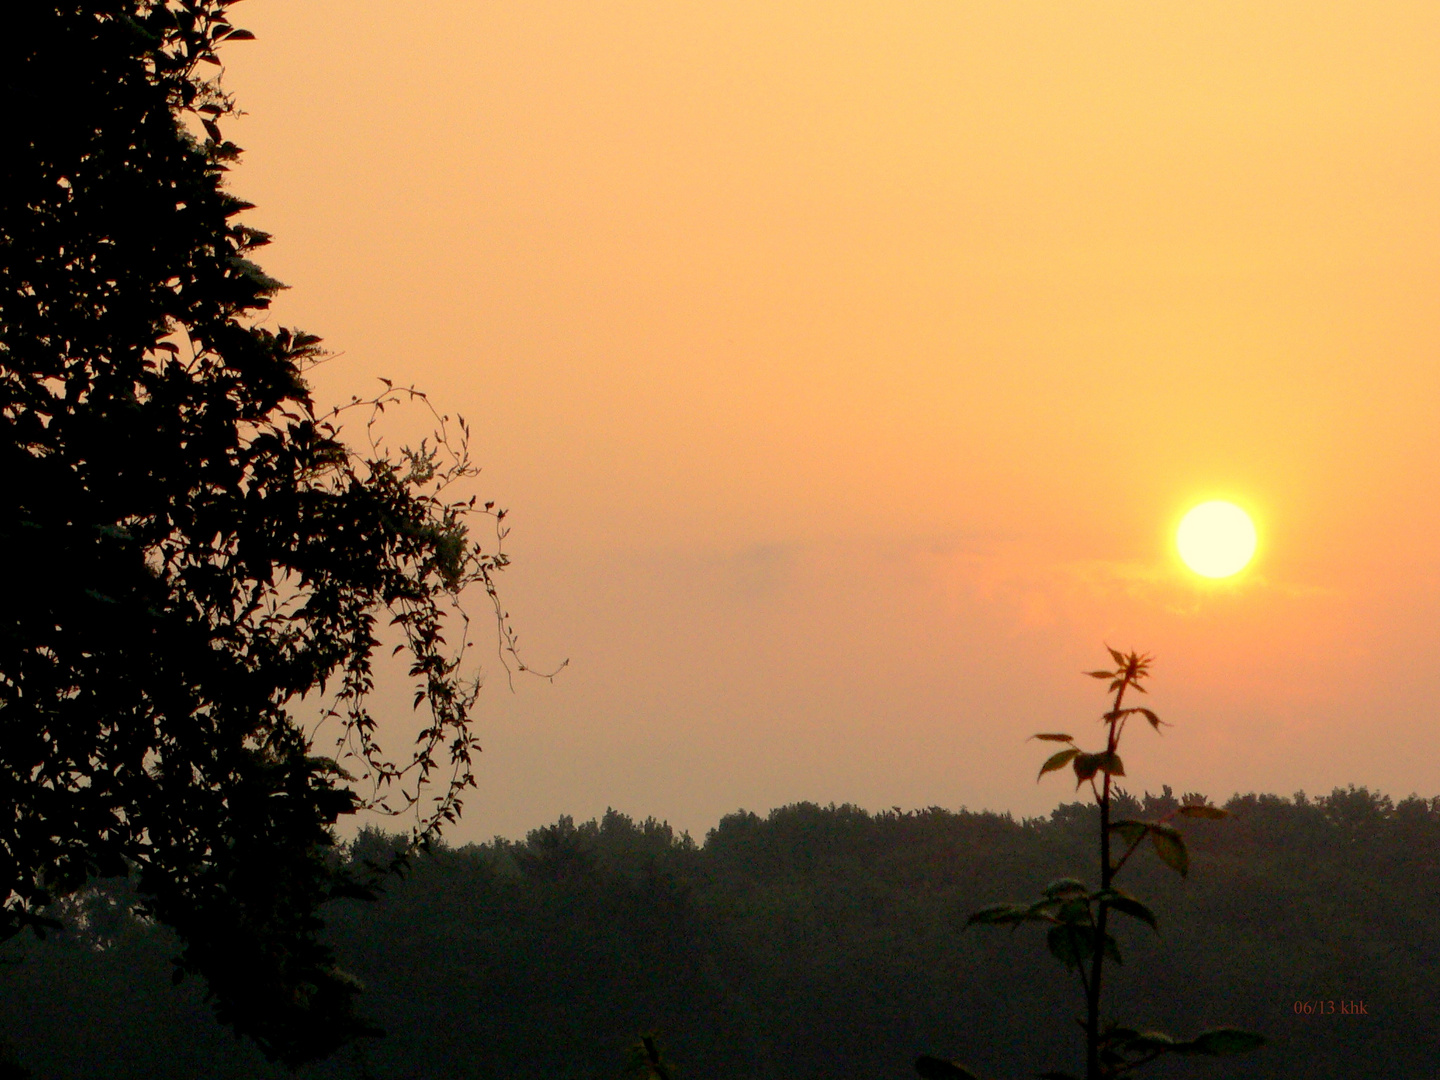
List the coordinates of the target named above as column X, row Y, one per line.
column 1079, row 917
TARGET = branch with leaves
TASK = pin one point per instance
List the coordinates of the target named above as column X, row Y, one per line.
column 431, row 542
column 1078, row 917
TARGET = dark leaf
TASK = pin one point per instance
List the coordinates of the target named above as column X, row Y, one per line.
column 1075, row 911
column 1128, row 905
column 1057, row 761
column 1040, row 911
column 1069, row 943
column 1054, row 738
column 1086, row 766
column 1170, row 846
column 1155, row 721
column 1099, row 674
column 1130, row 829
column 1065, row 888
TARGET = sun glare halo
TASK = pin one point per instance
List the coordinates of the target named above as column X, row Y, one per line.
column 1216, row 539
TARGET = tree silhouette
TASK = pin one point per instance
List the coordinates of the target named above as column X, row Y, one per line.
column 191, row 548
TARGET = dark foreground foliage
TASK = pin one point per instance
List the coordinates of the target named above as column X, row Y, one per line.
column 192, row 550
column 820, row 942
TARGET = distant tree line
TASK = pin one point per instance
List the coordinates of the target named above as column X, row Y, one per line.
column 817, row 942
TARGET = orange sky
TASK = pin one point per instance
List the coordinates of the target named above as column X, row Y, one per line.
column 846, row 367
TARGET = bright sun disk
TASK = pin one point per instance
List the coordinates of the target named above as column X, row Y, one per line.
column 1216, row 539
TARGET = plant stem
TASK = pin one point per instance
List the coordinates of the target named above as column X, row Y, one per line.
column 1092, row 1012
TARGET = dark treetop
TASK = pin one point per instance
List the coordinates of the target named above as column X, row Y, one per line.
column 189, row 548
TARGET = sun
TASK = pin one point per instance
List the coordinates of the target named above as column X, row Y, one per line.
column 1216, row 539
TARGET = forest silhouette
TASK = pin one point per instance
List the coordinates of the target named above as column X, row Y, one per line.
column 815, row 942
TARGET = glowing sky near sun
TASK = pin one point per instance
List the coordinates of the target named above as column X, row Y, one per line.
column 847, row 368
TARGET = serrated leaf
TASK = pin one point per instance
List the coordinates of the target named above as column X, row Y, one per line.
column 1099, row 674
column 1057, row 761
column 1120, row 660
column 933, row 1068
column 1155, row 721
column 1170, row 846
column 1214, row 813
column 1221, row 1041
column 239, row 35
column 1054, row 738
